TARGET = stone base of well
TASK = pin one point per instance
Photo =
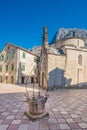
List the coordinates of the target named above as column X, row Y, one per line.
column 36, row 117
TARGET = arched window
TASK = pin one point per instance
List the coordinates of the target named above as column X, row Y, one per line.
column 80, row 59
column 78, row 43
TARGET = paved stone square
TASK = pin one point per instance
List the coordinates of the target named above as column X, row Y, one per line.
column 67, row 109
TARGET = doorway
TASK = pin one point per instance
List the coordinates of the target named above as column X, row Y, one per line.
column 22, row 80
column 32, row 79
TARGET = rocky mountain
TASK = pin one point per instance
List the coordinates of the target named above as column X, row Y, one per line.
column 36, row 50
column 70, row 32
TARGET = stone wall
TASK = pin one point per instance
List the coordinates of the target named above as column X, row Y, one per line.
column 74, row 71
column 43, row 68
column 56, row 67
column 74, row 41
column 78, row 42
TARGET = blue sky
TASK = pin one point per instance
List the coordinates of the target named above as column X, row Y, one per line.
column 22, row 21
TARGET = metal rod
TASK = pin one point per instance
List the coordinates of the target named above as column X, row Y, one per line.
column 33, row 88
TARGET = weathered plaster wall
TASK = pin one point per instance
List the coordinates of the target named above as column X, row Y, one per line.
column 29, row 63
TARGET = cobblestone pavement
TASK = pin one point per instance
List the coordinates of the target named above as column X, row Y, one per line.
column 67, row 109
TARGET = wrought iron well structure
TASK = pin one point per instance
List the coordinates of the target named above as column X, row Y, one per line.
column 36, row 104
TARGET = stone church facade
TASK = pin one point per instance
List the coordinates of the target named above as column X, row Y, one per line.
column 64, row 63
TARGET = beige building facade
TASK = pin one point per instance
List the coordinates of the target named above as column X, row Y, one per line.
column 17, row 65
column 64, row 63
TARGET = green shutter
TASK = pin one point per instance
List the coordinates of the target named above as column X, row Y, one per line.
column 24, row 55
column 23, row 67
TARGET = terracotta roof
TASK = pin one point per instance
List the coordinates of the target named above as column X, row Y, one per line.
column 18, row 47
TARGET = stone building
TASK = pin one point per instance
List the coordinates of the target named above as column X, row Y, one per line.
column 17, row 65
column 63, row 63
